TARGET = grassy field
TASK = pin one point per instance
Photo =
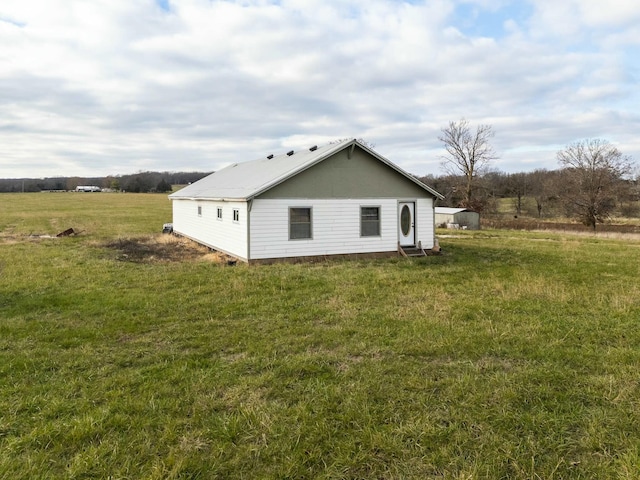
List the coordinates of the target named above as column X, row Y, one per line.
column 513, row 355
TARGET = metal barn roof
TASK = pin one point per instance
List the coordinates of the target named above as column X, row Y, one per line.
column 451, row 210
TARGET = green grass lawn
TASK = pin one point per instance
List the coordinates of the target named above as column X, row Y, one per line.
column 94, row 214
column 513, row 355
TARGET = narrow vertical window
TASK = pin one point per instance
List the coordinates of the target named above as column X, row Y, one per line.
column 236, row 215
column 199, row 210
column 219, row 213
column 370, row 221
column 299, row 223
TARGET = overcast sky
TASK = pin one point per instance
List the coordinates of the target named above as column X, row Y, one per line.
column 100, row 87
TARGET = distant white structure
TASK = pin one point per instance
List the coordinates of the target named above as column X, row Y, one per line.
column 88, row 188
column 448, row 217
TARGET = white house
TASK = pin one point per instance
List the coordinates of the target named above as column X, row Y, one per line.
column 340, row 199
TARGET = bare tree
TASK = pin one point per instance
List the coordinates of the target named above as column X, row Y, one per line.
column 544, row 187
column 517, row 184
column 447, row 185
column 468, row 154
column 594, row 171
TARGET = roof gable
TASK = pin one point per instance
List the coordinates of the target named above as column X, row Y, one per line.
column 346, row 174
column 244, row 181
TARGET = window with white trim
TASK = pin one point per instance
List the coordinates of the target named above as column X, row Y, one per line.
column 219, row 213
column 369, row 221
column 299, row 223
column 199, row 210
column 236, row 215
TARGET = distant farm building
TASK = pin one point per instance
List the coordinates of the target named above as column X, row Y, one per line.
column 448, row 217
column 88, row 188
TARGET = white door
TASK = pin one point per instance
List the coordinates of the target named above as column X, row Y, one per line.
column 406, row 224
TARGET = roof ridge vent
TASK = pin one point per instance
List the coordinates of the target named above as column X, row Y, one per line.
column 314, row 148
column 290, row 153
column 270, row 156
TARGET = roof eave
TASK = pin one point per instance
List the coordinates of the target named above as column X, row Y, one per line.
column 213, row 199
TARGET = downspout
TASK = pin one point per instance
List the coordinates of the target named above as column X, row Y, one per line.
column 436, row 244
column 249, row 205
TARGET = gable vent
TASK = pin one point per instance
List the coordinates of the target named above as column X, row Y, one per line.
column 314, row 148
column 269, row 157
column 290, row 153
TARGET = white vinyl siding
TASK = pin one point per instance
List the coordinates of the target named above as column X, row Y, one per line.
column 425, row 222
column 336, row 228
column 225, row 236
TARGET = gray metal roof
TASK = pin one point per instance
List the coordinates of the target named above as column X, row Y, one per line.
column 244, row 181
column 451, row 210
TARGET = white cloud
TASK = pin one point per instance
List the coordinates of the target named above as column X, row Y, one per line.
column 117, row 86
column 610, row 14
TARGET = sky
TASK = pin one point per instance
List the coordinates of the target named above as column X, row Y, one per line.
column 113, row 87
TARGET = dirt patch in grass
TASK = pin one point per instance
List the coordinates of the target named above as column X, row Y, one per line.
column 164, row 249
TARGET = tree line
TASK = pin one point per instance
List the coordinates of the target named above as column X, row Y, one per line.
column 594, row 178
column 141, row 182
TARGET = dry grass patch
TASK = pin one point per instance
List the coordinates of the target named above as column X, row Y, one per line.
column 163, row 249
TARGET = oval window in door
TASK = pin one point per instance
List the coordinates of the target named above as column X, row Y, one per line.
column 405, row 220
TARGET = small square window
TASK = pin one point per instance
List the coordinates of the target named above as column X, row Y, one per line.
column 199, row 210
column 219, row 213
column 236, row 215
column 299, row 223
column 370, row 221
